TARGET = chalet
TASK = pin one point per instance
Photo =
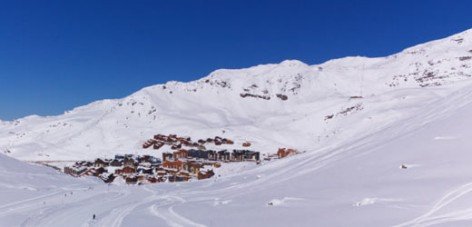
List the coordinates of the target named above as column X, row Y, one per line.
column 178, row 178
column 84, row 163
column 100, row 171
column 230, row 142
column 89, row 172
column 212, row 155
column 237, row 155
column 181, row 154
column 176, row 146
column 203, row 154
column 187, row 139
column 171, row 171
column 149, row 143
column 246, row 144
column 158, row 145
column 170, row 140
column 152, row 179
column 177, row 164
column 245, row 155
column 223, row 155
column 209, row 140
column 100, row 163
column 284, row 152
column 143, row 170
column 129, row 161
column 116, row 163
column 126, row 170
column 144, row 158
column 161, row 172
column 160, row 137
column 251, row 155
column 108, row 178
column 131, row 180
column 183, row 175
column 193, row 167
column 144, row 164
column 186, row 143
column 167, row 156
column 172, row 178
column 155, row 161
column 205, row 174
column 218, row 140
column 200, row 141
column 161, row 179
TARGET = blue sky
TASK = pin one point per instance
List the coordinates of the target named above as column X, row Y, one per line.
column 56, row 55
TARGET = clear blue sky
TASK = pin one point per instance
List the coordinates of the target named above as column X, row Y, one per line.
column 55, row 55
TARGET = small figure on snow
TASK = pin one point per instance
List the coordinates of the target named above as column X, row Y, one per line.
column 93, row 217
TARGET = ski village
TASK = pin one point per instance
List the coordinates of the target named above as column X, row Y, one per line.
column 189, row 160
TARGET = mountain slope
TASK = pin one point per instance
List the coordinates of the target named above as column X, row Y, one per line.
column 393, row 88
column 414, row 113
column 360, row 181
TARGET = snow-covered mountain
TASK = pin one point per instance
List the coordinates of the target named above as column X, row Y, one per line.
column 249, row 104
column 359, row 119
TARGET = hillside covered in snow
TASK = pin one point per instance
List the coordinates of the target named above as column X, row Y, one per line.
column 384, row 141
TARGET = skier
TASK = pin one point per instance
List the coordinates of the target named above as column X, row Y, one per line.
column 93, row 217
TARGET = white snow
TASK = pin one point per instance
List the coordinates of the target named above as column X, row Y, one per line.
column 415, row 111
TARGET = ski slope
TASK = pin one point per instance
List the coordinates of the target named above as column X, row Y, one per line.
column 415, row 111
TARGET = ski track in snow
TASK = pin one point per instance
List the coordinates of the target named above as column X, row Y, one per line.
column 25, row 204
column 434, row 216
column 62, row 212
column 165, row 211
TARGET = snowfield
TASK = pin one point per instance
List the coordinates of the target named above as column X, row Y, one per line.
column 386, row 143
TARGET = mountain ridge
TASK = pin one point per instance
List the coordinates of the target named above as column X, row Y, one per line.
column 344, row 60
column 272, row 103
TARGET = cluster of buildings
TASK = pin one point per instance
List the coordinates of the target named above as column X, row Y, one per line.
column 176, row 142
column 136, row 169
column 178, row 165
column 211, row 155
column 131, row 168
